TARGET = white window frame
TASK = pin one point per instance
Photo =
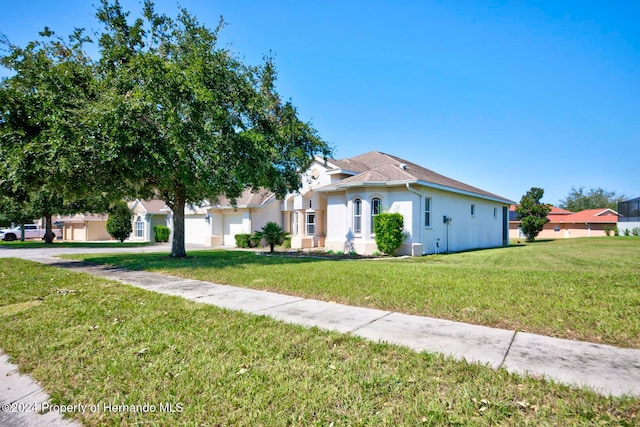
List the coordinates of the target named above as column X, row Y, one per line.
column 294, row 223
column 310, row 225
column 427, row 212
column 139, row 230
column 375, row 210
column 357, row 216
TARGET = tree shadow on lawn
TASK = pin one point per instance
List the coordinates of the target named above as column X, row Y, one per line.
column 195, row 259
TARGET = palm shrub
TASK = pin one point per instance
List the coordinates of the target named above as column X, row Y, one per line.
column 388, row 228
column 272, row 234
column 119, row 222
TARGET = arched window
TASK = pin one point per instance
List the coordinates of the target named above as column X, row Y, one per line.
column 139, row 227
column 357, row 216
column 376, row 208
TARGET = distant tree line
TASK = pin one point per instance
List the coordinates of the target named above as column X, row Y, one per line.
column 578, row 199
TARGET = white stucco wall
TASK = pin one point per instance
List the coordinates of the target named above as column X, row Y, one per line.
column 627, row 226
column 267, row 213
column 465, row 231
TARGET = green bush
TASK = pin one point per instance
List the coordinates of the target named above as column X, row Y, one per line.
column 161, row 233
column 607, row 230
column 287, row 242
column 388, row 228
column 254, row 240
column 616, row 231
column 243, row 240
column 119, row 222
column 627, row 232
column 636, row 231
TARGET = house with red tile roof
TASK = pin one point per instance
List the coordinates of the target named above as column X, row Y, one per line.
column 565, row 224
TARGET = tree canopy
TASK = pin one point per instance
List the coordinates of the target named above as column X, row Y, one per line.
column 163, row 112
column 578, row 200
column 45, row 168
column 188, row 120
column 532, row 213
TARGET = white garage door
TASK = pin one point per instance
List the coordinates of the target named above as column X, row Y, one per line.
column 196, row 230
column 232, row 226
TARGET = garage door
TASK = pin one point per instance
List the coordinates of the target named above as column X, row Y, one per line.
column 196, row 230
column 232, row 226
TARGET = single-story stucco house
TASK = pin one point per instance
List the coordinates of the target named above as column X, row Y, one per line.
column 147, row 214
column 335, row 207
column 216, row 223
column 83, row 227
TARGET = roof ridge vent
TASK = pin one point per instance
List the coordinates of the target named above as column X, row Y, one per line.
column 403, row 166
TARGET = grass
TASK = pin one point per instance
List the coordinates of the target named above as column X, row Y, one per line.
column 97, row 342
column 583, row 289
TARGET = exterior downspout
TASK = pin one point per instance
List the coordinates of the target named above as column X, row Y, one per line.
column 414, row 191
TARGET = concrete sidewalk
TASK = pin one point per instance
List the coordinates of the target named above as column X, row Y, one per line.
column 605, row 369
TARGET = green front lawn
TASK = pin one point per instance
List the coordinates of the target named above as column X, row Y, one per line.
column 584, row 289
column 97, row 342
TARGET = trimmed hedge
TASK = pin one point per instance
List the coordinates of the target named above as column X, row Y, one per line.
column 389, row 232
column 243, row 240
column 161, row 233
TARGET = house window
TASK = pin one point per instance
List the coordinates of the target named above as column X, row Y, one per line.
column 139, row 227
column 357, row 216
column 495, row 213
column 556, row 228
column 473, row 210
column 375, row 210
column 311, row 223
column 294, row 223
column 427, row 211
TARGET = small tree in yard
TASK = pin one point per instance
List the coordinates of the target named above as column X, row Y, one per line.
column 388, row 228
column 119, row 222
column 532, row 214
column 272, row 233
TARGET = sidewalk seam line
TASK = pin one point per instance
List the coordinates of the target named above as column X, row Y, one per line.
column 506, row 354
column 280, row 305
column 371, row 321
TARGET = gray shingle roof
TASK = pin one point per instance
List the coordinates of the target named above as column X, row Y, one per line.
column 248, row 198
column 376, row 168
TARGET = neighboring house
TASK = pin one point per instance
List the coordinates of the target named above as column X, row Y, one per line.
column 83, row 227
column 146, row 214
column 629, row 215
column 216, row 223
column 566, row 224
column 335, row 207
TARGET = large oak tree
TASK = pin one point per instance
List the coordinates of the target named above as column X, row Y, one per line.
column 186, row 120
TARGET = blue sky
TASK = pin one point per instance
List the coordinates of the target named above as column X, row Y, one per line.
column 503, row 95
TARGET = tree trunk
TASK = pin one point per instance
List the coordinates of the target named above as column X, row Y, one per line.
column 177, row 244
column 48, row 229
